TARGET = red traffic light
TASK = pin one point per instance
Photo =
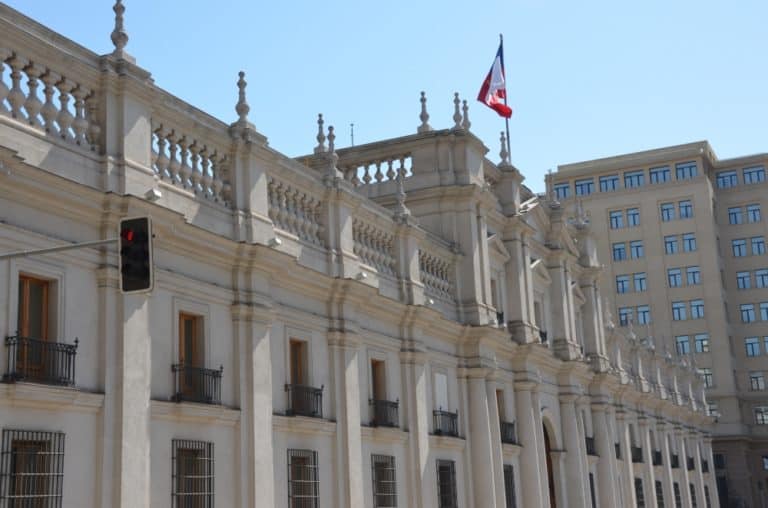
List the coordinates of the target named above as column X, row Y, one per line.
column 136, row 267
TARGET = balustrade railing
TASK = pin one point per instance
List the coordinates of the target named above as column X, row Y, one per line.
column 40, row 361
column 637, row 455
column 508, row 432
column 437, row 275
column 384, row 413
column 304, row 401
column 197, row 384
column 374, row 246
column 445, row 423
column 295, row 211
column 43, row 97
column 589, row 443
column 372, row 171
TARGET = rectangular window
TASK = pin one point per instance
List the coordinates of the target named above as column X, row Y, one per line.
column 634, row 179
column 299, row 362
column 734, row 215
column 625, row 316
column 446, row 484
column 622, row 283
column 192, row 465
column 636, row 249
column 678, row 497
column 754, row 175
column 761, row 278
column 706, row 373
column 747, row 311
column 633, row 217
column 679, row 311
column 758, row 245
column 659, row 495
column 639, row 496
column 685, row 208
column 303, row 479
column 643, row 315
column 619, row 251
column 667, row 211
column 384, row 484
column 707, row 499
column 609, row 183
column 670, row 244
column 693, row 495
column 693, row 274
column 34, row 294
column 509, row 486
column 640, row 282
column 617, row 219
column 712, row 409
column 378, row 380
column 701, row 342
column 683, row 344
column 697, row 309
column 764, row 311
column 761, row 415
column 752, row 345
column 585, row 187
column 753, row 213
column 191, row 344
column 562, row 191
column 686, row 170
column 727, row 179
column 674, row 277
column 739, row 247
column 689, row 242
column 31, row 469
column 660, row 175
column 743, row 280
column 756, row 381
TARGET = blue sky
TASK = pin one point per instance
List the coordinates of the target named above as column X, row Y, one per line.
column 585, row 79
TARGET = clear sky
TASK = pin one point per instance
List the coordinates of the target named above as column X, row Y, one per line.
column 586, row 79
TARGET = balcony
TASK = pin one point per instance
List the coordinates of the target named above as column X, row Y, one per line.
column 637, row 455
column 508, row 432
column 40, row 361
column 384, row 413
column 657, row 459
column 690, row 464
column 304, row 401
column 617, row 447
column 196, row 384
column 674, row 461
column 445, row 423
column 589, row 442
column 543, row 336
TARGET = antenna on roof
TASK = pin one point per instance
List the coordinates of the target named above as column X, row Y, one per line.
column 352, row 133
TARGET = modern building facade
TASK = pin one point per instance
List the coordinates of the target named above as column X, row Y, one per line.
column 401, row 323
column 683, row 238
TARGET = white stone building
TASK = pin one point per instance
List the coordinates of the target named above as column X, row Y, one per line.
column 400, row 323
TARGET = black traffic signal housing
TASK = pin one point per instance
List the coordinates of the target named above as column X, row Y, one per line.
column 136, row 270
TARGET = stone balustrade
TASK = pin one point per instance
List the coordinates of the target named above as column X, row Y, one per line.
column 438, row 274
column 295, row 210
column 367, row 172
column 375, row 246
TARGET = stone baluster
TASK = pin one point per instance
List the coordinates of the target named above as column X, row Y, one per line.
column 65, row 118
column 32, row 104
column 367, row 174
column 320, row 148
column 162, row 161
column 185, row 170
column 390, row 171
column 173, row 166
column 207, row 176
column 456, row 111
column 5, row 53
column 94, row 130
column 48, row 111
column 195, row 175
column 80, row 124
column 16, row 95
column 465, row 123
column 424, row 116
column 503, row 154
column 379, row 175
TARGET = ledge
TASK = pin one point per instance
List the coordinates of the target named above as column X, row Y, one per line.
column 193, row 413
column 447, row 442
column 303, row 425
column 384, row 434
column 47, row 397
column 511, row 450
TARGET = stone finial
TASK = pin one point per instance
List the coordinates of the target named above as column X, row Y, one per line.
column 119, row 35
column 465, row 123
column 424, row 116
column 504, row 154
column 320, row 148
column 333, row 172
column 456, row 111
column 242, row 108
column 551, row 196
column 401, row 211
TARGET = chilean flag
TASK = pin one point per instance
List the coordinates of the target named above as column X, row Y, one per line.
column 494, row 89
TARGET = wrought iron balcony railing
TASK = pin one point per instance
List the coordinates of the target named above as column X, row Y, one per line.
column 674, row 461
column 196, row 384
column 508, row 432
column 657, row 459
column 385, row 413
column 637, row 455
column 445, row 423
column 589, row 443
column 40, row 361
column 304, row 401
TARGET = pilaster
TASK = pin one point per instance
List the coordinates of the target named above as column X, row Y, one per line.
column 575, row 458
column 534, row 487
column 607, row 465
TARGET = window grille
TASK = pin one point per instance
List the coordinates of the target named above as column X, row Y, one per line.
column 639, row 493
column 384, row 484
column 509, row 486
column 678, row 497
column 31, row 469
column 193, row 474
column 446, row 484
column 659, row 495
column 303, row 482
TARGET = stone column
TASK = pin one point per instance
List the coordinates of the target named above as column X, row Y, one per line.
column 649, row 478
column 422, row 493
column 666, row 474
column 496, row 451
column 697, row 475
column 343, row 347
column 563, row 327
column 685, row 492
column 253, row 372
column 627, row 469
column 534, row 487
column 574, row 443
column 594, row 337
column 710, row 479
column 607, row 467
column 519, row 287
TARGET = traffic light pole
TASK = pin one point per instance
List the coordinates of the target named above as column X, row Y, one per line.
column 33, row 252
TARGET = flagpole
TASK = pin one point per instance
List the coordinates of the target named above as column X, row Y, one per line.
column 506, row 120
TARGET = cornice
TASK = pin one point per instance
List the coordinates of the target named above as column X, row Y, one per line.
column 188, row 412
column 50, row 398
column 303, row 425
column 384, row 435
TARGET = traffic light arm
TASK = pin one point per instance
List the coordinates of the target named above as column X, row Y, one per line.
column 34, row 252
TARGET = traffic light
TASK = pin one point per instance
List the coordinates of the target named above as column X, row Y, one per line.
column 136, row 271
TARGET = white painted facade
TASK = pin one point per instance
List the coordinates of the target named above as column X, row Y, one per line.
column 337, row 252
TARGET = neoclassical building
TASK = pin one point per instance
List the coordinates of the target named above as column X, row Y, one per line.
column 401, row 323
